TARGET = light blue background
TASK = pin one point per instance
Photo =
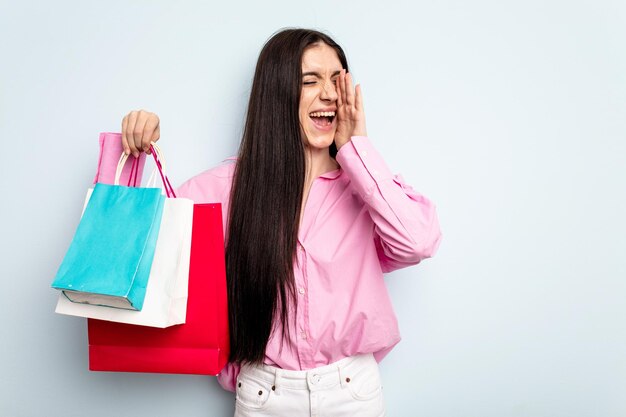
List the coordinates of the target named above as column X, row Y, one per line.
column 511, row 116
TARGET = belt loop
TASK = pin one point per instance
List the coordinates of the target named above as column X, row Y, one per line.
column 343, row 377
column 277, row 382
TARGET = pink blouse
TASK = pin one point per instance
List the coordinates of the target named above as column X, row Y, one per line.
column 359, row 221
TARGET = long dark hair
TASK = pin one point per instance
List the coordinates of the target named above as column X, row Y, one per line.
column 266, row 197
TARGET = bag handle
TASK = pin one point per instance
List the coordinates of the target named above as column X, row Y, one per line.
column 157, row 154
column 151, row 183
column 134, row 169
column 158, row 157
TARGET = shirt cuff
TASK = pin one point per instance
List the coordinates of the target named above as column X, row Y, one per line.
column 363, row 164
column 227, row 378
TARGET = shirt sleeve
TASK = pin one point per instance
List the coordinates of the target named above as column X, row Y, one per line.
column 405, row 222
column 227, row 378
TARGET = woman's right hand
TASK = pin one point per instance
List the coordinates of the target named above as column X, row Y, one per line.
column 139, row 128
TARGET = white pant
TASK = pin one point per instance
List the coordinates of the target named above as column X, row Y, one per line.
column 348, row 387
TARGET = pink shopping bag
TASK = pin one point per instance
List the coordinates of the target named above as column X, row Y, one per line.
column 110, row 151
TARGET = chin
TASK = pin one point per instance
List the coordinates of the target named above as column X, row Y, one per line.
column 320, row 141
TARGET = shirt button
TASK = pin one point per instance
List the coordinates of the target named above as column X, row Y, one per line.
column 301, row 290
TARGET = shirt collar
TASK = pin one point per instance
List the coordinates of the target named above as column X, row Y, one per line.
column 331, row 175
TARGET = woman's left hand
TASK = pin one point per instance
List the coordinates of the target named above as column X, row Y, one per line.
column 350, row 112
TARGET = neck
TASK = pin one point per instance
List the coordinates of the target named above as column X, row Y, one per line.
column 318, row 162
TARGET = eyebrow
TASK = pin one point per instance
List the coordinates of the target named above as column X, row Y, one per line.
column 318, row 75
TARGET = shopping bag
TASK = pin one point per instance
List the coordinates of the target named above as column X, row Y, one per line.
column 110, row 150
column 201, row 345
column 165, row 302
column 109, row 259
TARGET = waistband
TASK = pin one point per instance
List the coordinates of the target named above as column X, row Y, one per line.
column 314, row 379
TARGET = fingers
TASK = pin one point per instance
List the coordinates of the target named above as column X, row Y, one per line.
column 130, row 133
column 349, row 90
column 151, row 133
column 339, row 84
column 139, row 128
column 345, row 91
column 359, row 98
column 351, row 117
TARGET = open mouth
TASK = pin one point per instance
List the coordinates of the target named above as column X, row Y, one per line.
column 323, row 119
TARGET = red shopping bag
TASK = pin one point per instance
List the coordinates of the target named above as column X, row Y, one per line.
column 201, row 345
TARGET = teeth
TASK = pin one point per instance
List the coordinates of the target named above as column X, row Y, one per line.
column 323, row 114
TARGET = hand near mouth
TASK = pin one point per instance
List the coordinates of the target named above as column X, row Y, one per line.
column 350, row 112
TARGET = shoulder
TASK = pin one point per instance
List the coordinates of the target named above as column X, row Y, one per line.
column 212, row 185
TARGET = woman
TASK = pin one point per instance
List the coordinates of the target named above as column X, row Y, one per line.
column 314, row 218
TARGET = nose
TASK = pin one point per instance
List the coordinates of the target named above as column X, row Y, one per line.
column 329, row 92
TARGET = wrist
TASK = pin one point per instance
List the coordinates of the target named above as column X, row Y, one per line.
column 359, row 132
column 340, row 143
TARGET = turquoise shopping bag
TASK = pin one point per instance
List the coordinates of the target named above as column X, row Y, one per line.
column 109, row 260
